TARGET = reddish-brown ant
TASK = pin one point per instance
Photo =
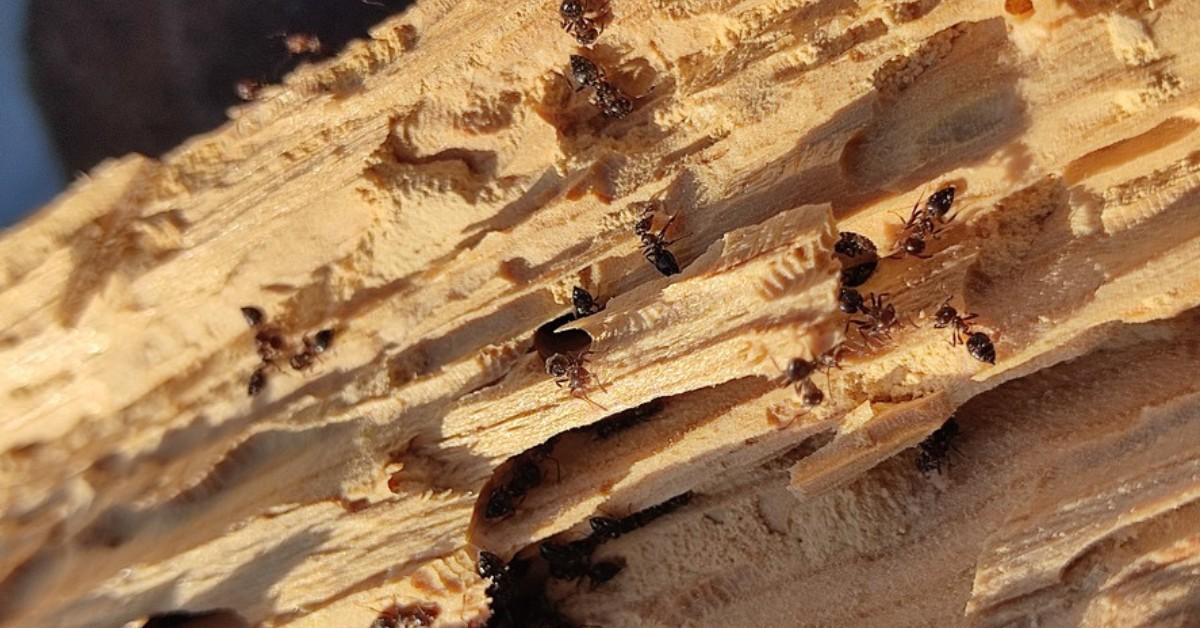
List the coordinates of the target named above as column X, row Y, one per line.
column 880, row 319
column 571, row 371
column 408, row 616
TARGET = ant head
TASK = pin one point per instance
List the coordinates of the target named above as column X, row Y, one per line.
column 914, row 245
column 571, row 8
column 558, row 365
column 945, row 315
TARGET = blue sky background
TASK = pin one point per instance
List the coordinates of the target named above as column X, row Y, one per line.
column 29, row 173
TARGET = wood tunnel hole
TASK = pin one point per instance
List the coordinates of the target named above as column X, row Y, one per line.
column 219, row 618
column 547, row 340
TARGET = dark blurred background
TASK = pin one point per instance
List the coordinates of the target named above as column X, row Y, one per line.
column 81, row 81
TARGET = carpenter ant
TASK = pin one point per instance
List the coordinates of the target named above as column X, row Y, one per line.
column 880, row 319
column 935, row 448
column 924, row 223
column 654, row 245
column 850, row 301
column 854, row 245
column 313, row 346
column 947, row 316
column 575, row 21
column 583, row 302
column 797, row 374
column 938, row 204
column 569, row 370
column 584, row 72
column 981, row 348
column 859, row 258
column 611, row 102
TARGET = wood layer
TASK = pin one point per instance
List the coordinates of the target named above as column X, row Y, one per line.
column 434, row 194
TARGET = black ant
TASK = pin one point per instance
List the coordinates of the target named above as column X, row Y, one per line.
column 924, row 223
column 611, row 102
column 570, row 370
column 850, row 301
column 859, row 258
column 584, row 72
column 935, row 448
column 980, row 346
column 576, row 22
column 584, row 303
column 313, row 346
column 797, row 374
column 880, row 319
column 938, row 204
column 654, row 245
column 947, row 316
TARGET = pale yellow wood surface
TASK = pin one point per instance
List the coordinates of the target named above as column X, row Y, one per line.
column 435, row 193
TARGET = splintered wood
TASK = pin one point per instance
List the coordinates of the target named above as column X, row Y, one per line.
column 434, row 195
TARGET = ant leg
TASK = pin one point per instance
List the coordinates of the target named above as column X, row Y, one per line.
column 582, row 395
column 966, row 319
